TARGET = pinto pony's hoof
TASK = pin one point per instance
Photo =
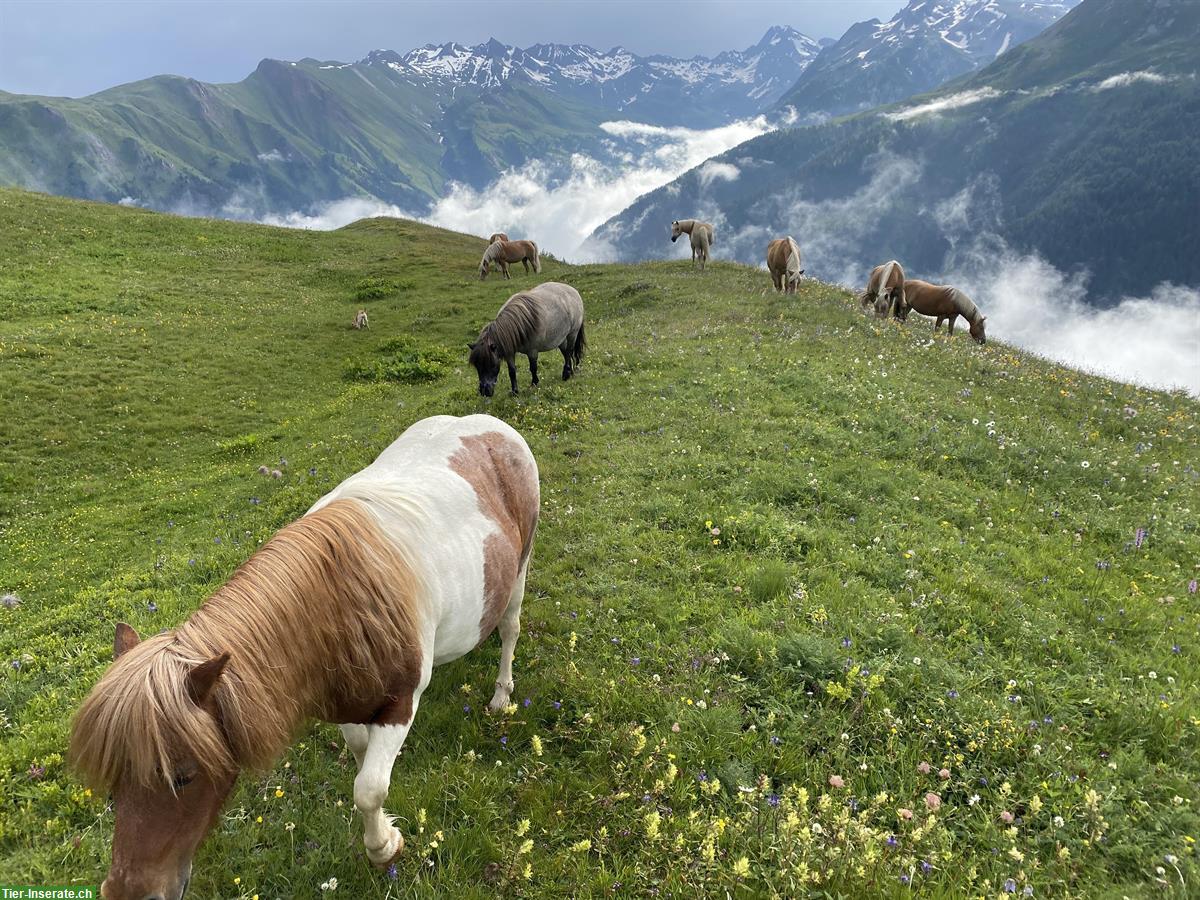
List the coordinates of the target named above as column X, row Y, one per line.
column 383, row 858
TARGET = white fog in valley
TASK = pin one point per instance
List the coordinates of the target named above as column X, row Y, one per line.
column 559, row 206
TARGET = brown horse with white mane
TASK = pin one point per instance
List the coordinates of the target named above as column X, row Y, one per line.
column 504, row 252
column 945, row 303
column 783, row 262
column 701, row 235
column 341, row 616
column 885, row 291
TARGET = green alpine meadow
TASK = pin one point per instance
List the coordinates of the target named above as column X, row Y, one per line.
column 819, row 604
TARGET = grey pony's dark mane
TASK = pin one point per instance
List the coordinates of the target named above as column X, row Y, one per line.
column 965, row 305
column 516, row 322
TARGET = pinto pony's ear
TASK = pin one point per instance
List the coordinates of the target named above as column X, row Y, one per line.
column 124, row 640
column 203, row 678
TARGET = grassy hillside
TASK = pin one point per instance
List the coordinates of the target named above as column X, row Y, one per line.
column 792, row 564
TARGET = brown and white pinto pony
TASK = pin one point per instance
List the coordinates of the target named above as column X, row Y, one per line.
column 701, row 235
column 341, row 616
column 783, row 262
column 885, row 291
column 945, row 303
column 504, row 252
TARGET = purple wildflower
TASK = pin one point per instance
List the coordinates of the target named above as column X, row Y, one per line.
column 1175, row 648
column 1192, row 586
column 527, row 703
column 36, row 772
column 891, row 841
column 392, row 873
column 1010, row 886
column 557, row 704
column 904, row 879
column 703, row 776
column 776, row 740
column 312, row 471
column 926, row 867
column 466, row 708
column 1139, row 538
column 952, row 694
column 152, row 606
column 504, row 741
column 772, row 800
column 635, row 661
column 846, row 642
column 191, row 562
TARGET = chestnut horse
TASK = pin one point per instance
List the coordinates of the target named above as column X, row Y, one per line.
column 885, row 291
column 341, row 616
column 783, row 262
column 542, row 318
column 504, row 252
column 701, row 234
column 946, row 303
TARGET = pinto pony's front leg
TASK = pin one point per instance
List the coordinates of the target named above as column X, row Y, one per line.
column 510, row 629
column 382, row 839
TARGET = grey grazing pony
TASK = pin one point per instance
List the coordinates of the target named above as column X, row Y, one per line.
column 701, row 234
column 542, row 318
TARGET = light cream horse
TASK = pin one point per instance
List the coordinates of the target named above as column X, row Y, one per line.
column 783, row 262
column 885, row 291
column 701, row 234
column 504, row 252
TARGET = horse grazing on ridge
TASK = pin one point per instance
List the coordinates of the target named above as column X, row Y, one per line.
column 946, row 303
column 341, row 616
column 783, row 262
column 885, row 291
column 542, row 318
column 504, row 252
column 701, row 234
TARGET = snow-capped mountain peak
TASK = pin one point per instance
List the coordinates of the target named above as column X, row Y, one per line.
column 733, row 83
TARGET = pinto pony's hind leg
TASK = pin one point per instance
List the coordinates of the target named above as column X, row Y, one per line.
column 510, row 630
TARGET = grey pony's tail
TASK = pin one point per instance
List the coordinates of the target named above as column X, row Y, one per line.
column 579, row 348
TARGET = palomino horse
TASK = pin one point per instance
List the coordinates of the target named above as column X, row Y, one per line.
column 885, row 291
column 947, row 303
column 341, row 616
column 701, row 234
column 542, row 318
column 783, row 262
column 504, row 252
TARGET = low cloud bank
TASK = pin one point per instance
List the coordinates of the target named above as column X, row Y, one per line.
column 951, row 101
column 1153, row 340
column 559, row 206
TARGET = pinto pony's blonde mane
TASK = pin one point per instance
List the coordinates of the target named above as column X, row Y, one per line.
column 517, row 321
column 309, row 621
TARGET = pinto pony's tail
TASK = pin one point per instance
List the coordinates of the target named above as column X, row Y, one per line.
column 579, row 348
column 537, row 259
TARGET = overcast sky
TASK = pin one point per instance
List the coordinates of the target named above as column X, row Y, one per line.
column 73, row 48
